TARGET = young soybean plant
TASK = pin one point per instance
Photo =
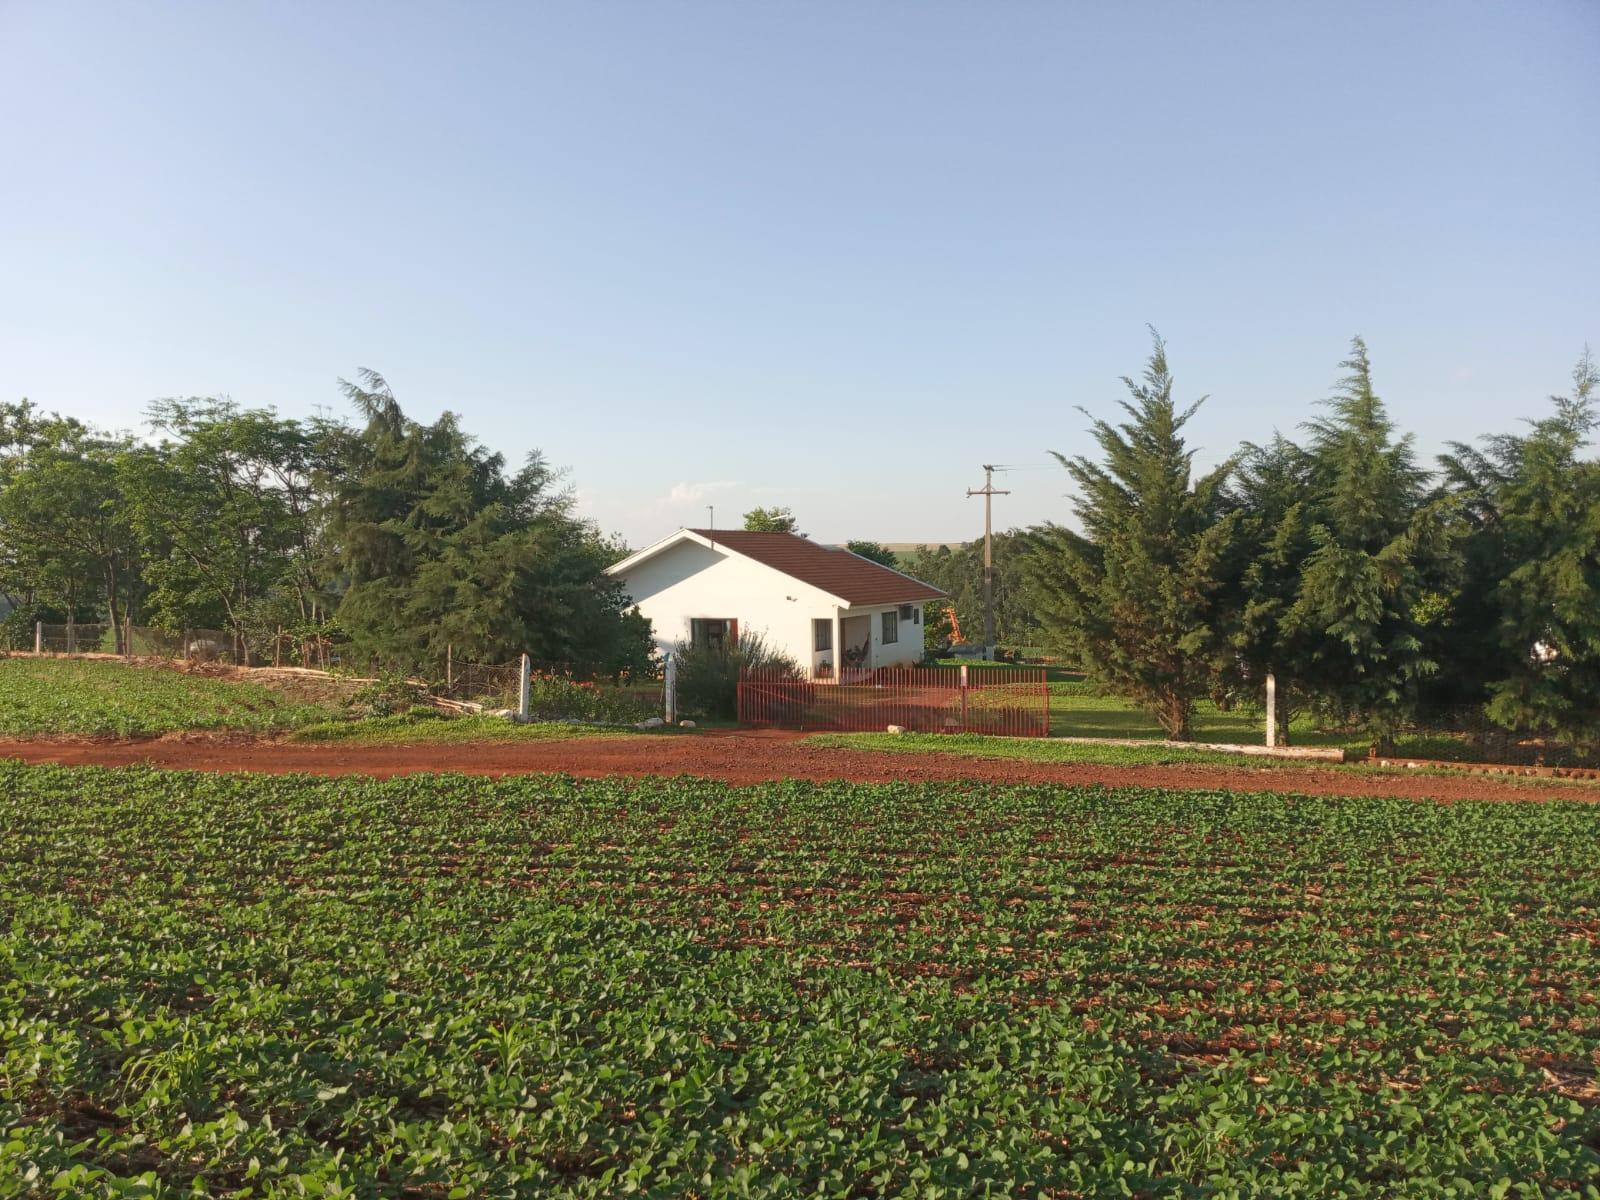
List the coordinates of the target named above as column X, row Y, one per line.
column 228, row 985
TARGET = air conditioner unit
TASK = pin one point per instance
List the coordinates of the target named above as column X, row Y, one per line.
column 906, row 611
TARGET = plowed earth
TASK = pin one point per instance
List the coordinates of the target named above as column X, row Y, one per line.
column 748, row 757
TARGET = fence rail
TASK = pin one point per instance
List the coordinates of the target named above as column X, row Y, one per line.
column 1011, row 701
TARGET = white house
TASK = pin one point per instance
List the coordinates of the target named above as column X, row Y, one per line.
column 808, row 600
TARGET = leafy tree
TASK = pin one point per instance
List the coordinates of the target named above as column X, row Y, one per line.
column 1135, row 595
column 231, row 513
column 876, row 552
column 958, row 572
column 1535, row 508
column 438, row 546
column 770, row 520
column 63, row 515
column 1378, row 554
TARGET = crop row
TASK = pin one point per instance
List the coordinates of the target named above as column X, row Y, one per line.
column 465, row 987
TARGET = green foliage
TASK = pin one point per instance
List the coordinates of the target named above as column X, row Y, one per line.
column 1134, row 597
column 391, row 693
column 98, row 696
column 65, row 540
column 440, row 547
column 226, row 510
column 770, row 520
column 433, row 726
column 1270, row 489
column 958, row 572
column 1535, row 507
column 1378, row 548
column 875, row 552
column 708, row 676
column 557, row 698
column 548, row 987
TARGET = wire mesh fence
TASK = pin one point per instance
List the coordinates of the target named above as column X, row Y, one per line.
column 1466, row 734
column 1010, row 701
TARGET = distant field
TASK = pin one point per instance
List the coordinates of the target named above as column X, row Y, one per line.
column 104, row 696
column 440, row 986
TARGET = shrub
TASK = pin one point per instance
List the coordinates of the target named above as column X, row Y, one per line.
column 555, row 698
column 389, row 694
column 708, row 676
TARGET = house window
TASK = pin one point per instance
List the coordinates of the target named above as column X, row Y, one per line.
column 712, row 632
column 891, row 628
column 821, row 634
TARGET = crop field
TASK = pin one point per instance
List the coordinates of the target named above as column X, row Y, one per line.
column 104, row 696
column 453, row 987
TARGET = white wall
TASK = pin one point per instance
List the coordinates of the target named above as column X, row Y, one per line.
column 689, row 580
column 907, row 650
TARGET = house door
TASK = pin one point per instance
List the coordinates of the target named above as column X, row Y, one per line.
column 857, row 643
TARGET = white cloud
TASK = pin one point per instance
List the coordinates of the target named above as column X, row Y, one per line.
column 692, row 493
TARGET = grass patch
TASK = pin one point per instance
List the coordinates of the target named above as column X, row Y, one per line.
column 1045, row 750
column 103, row 696
column 424, row 726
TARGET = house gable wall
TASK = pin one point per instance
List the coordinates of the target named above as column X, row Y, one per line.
column 690, row 580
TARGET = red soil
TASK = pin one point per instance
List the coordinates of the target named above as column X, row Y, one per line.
column 749, row 757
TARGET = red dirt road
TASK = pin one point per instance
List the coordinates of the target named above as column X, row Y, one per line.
column 748, row 757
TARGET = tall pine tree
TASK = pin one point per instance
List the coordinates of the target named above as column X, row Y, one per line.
column 1535, row 507
column 1378, row 548
column 1135, row 594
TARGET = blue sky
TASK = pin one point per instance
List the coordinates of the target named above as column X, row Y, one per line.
column 833, row 256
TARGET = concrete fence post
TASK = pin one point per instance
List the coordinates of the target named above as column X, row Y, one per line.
column 670, row 691
column 38, row 637
column 449, row 668
column 963, row 697
column 524, row 687
column 1272, row 709
column 127, row 637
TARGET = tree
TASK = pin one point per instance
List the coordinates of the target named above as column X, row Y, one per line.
column 770, row 520
column 1270, row 489
column 63, row 515
column 876, row 552
column 958, row 572
column 1378, row 553
column 439, row 547
column 1535, row 510
column 231, row 512
column 1135, row 595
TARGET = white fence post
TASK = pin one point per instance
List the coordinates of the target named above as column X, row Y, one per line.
column 1272, row 709
column 670, row 690
column 524, row 684
column 38, row 637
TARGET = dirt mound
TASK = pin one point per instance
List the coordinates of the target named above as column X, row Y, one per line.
column 749, row 757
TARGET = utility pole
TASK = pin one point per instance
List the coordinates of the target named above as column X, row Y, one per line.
column 988, row 492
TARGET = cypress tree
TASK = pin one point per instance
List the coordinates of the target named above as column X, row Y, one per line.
column 1376, row 546
column 1135, row 593
column 1535, row 506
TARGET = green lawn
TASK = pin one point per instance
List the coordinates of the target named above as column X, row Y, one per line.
column 1047, row 750
column 441, row 987
column 103, row 696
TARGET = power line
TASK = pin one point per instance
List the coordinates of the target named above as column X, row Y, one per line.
column 988, row 491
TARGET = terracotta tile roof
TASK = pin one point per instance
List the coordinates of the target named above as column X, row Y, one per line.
column 835, row 570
